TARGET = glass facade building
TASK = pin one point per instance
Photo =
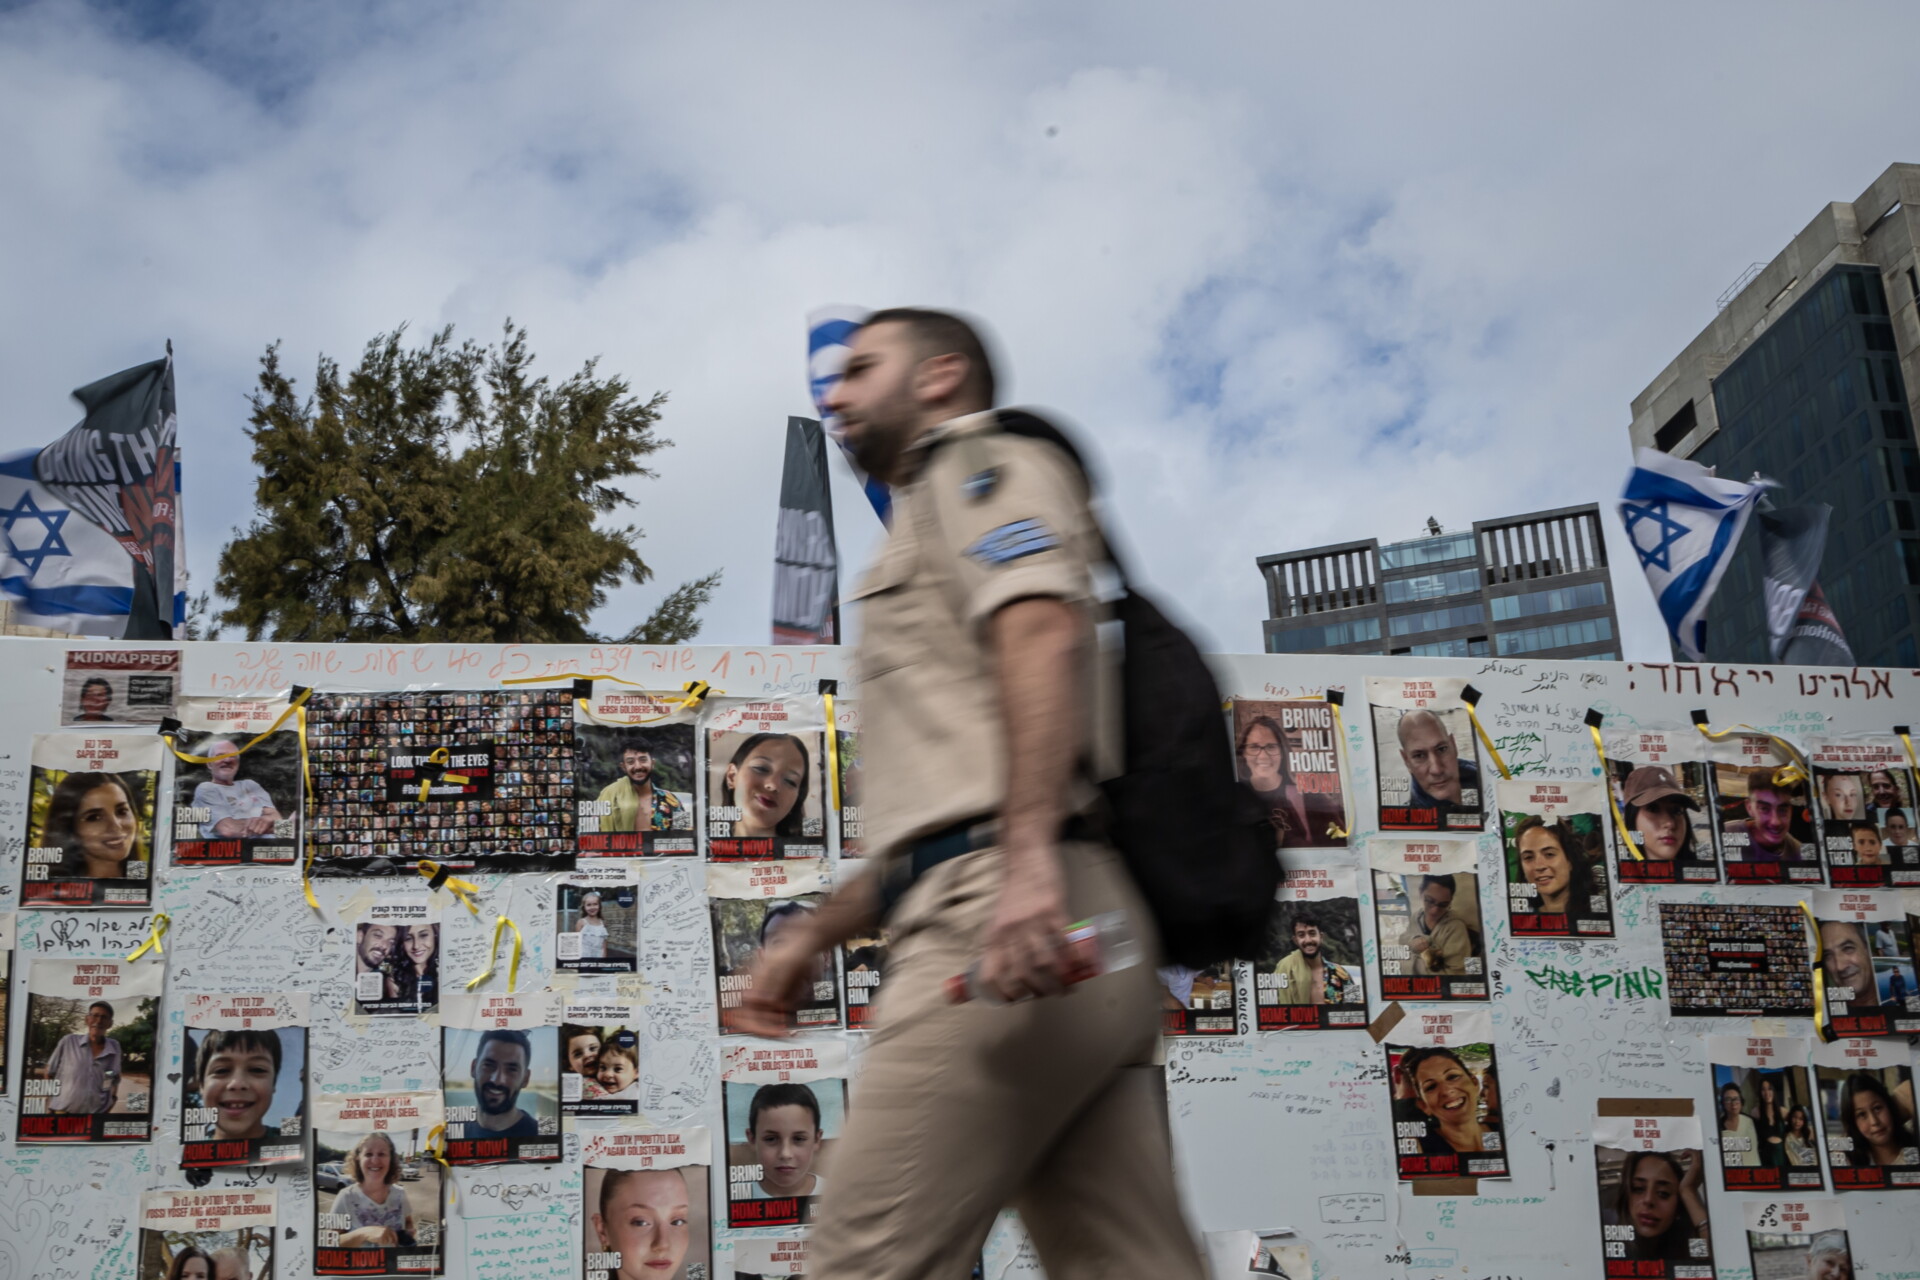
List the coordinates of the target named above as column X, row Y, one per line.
column 1529, row 584
column 1806, row 377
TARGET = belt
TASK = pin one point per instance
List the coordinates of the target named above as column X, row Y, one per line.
column 966, row 836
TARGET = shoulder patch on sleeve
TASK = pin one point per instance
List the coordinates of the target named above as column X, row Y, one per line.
column 1012, row 541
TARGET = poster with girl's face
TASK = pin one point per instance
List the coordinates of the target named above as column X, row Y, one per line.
column 1651, row 1174
column 243, row 1081
column 1866, row 963
column 1763, row 815
column 90, row 820
column 785, row 1105
column 1865, row 795
column 1667, row 807
column 396, row 957
column 597, row 920
column 776, row 1258
column 846, row 758
column 239, row 801
column 600, row 1059
column 766, row 794
column 90, row 1050
column 1554, row 836
column 500, row 1072
column 1866, row 1109
column 1428, row 764
column 865, row 962
column 1764, row 1114
column 224, row 1234
column 376, row 1188
column 1286, row 752
column 1308, row 972
column 1443, row 1082
column 1794, row 1238
column 751, row 905
column 1426, row 908
column 644, row 1204
column 634, row 773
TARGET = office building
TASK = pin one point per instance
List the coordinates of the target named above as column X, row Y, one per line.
column 1533, row 585
column 1806, row 377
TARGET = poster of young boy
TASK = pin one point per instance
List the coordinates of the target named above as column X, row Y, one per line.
column 1427, row 762
column 644, row 1209
column 1866, row 1109
column 600, row 1048
column 243, row 1080
column 1661, row 788
column 90, row 1050
column 1866, row 962
column 396, row 957
column 1554, row 838
column 634, row 773
column 91, row 806
column 765, row 777
column 750, row 906
column 207, row 1235
column 1309, row 972
column 1762, row 814
column 1765, row 1109
column 1866, row 793
column 1426, row 914
column 1651, row 1173
column 243, row 804
column 500, row 1074
column 1285, row 751
column 785, row 1105
column 376, row 1190
column 1441, row 1077
column 1799, row 1238
column 597, row 920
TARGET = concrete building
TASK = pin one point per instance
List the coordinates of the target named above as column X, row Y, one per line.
column 1534, row 584
column 1806, row 376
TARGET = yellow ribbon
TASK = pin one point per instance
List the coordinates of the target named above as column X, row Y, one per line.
column 1820, row 1020
column 833, row 751
column 306, row 771
column 1787, row 775
column 158, row 930
column 263, row 735
column 437, row 878
column 1471, row 697
column 1594, row 719
column 696, row 691
column 437, row 1150
column 441, row 756
column 500, row 924
column 1906, row 740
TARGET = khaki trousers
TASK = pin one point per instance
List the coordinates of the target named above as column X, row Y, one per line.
column 1050, row 1106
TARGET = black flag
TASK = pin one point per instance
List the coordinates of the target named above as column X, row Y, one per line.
column 806, row 564
column 1803, row 628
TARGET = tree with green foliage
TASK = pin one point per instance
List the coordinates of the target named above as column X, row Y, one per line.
column 442, row 492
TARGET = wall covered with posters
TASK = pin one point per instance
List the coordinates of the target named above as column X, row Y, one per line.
column 1571, row 1022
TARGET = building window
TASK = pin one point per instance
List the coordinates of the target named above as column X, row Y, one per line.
column 1309, row 639
column 1441, row 649
column 1432, row 586
column 1409, row 555
column 1675, row 429
column 1560, row 635
column 1463, row 615
column 1588, row 595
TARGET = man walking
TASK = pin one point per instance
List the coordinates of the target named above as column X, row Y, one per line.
column 978, row 688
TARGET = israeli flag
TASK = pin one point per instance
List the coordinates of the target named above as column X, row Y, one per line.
column 63, row 571
column 830, row 333
column 1684, row 523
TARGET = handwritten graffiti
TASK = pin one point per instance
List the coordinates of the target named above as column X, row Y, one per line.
column 1645, row 983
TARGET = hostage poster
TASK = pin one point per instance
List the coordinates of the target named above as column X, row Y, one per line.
column 766, row 793
column 91, row 1033
column 243, row 1081
column 634, row 760
column 1650, row 1171
column 1442, row 1075
column 750, row 905
column 1667, row 806
column 1427, row 763
column 376, row 1187
column 1286, row 752
column 1866, row 962
column 500, row 1075
column 1866, row 1105
column 1426, row 913
column 1310, row 973
column 90, row 817
column 645, row 1206
column 207, row 1235
column 785, row 1106
column 1554, row 838
column 1764, row 1114
column 1866, row 793
column 239, row 801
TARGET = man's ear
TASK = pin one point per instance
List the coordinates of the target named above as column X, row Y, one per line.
column 938, row 379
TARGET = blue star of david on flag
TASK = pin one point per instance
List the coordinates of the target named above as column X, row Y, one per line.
column 1684, row 523
column 51, row 542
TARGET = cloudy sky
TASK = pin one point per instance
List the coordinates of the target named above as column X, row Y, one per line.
column 1303, row 272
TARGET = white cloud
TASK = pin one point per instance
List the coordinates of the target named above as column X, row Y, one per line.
column 1303, row 275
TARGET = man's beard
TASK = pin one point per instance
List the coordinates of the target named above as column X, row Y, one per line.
column 510, row 1097
column 640, row 777
column 1311, row 950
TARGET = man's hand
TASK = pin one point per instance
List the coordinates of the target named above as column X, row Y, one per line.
column 782, row 974
column 1022, row 956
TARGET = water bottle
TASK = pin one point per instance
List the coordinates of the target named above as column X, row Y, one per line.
column 1105, row 943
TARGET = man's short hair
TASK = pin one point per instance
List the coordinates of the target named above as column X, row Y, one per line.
column 1760, row 778
column 101, row 1004
column 1303, row 915
column 939, row 333
column 504, row 1037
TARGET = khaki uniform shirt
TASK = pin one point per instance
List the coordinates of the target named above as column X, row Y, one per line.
column 986, row 518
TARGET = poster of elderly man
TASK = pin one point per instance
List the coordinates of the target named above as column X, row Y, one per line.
column 1428, row 765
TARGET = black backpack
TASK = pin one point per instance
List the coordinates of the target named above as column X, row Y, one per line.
column 1199, row 843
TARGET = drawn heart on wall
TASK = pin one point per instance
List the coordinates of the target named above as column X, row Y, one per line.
column 173, row 1077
